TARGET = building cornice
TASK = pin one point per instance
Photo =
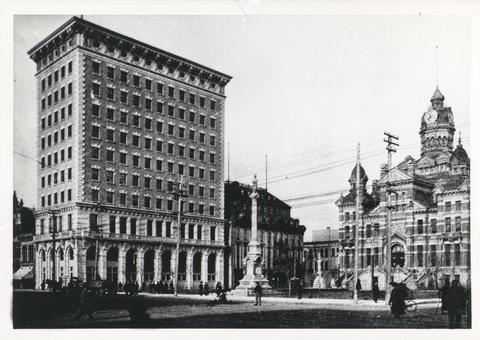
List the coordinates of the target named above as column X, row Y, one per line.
column 78, row 25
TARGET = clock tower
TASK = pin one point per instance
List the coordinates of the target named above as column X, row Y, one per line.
column 437, row 128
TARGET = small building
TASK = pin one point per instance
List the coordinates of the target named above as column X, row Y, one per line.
column 23, row 247
column 280, row 235
column 321, row 257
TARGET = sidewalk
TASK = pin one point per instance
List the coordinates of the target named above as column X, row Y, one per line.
column 328, row 303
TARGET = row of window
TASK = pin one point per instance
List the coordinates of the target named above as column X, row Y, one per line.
column 433, row 225
column 56, row 157
column 62, row 197
column 125, row 199
column 57, row 96
column 56, row 137
column 420, row 228
column 56, row 177
column 193, row 117
column 147, row 182
column 448, row 206
column 56, row 224
column 56, row 75
column 55, row 118
column 153, row 228
column 148, row 164
column 147, row 84
column 122, row 137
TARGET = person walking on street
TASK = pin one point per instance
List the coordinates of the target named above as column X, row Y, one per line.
column 258, row 294
column 299, row 289
column 358, row 287
column 218, row 289
column 443, row 296
column 455, row 304
column 42, row 285
column 170, row 287
column 85, row 303
column 205, row 288
column 200, row 288
column 397, row 300
column 375, row 291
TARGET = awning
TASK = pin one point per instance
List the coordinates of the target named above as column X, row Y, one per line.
column 23, row 273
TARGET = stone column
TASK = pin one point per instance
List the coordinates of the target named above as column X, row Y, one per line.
column 204, row 266
column 121, row 264
column 140, row 253
column 164, row 228
column 157, row 265
column 80, row 252
column 189, row 273
column 102, row 262
column 219, row 270
column 129, row 227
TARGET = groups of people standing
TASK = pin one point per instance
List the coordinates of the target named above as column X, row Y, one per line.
column 454, row 301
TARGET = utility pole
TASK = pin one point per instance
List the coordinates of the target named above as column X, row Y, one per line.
column 97, row 234
column 357, row 219
column 53, row 230
column 329, row 251
column 388, row 261
column 266, row 173
column 180, row 194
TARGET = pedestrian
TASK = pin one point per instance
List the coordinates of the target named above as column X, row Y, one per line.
column 42, row 285
column 135, row 288
column 170, row 287
column 397, row 300
column 200, row 288
column 164, row 287
column 258, row 294
column 375, row 291
column 218, row 289
column 120, row 287
column 358, row 287
column 443, row 296
column 85, row 305
column 299, row 289
column 205, row 288
column 455, row 304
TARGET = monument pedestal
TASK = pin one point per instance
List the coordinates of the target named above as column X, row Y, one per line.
column 253, row 263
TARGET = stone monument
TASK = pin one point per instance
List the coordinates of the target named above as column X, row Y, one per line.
column 253, row 262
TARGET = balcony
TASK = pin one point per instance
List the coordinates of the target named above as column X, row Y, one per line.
column 145, row 238
column 126, row 237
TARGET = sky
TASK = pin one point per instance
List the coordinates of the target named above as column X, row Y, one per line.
column 305, row 91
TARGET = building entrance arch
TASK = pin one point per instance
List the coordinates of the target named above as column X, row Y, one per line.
column 398, row 255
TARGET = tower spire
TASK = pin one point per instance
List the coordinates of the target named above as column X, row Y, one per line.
column 459, row 137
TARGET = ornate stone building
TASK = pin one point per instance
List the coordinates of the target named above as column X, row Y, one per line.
column 430, row 202
column 280, row 235
column 119, row 122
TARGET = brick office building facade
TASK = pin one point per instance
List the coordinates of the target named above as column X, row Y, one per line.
column 430, row 235
column 119, row 122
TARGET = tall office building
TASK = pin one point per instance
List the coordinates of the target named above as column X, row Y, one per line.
column 119, row 123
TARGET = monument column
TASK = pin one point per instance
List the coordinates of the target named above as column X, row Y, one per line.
column 254, row 260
